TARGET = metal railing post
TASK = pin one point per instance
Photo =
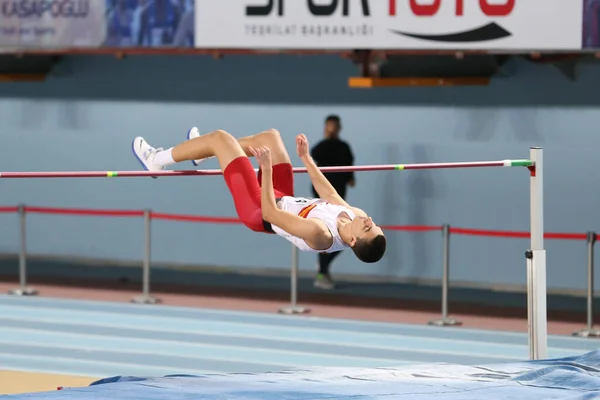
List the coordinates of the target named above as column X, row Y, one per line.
column 146, row 298
column 294, row 308
column 23, row 290
column 445, row 320
column 589, row 330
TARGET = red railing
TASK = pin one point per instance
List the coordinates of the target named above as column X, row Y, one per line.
column 232, row 220
column 83, row 211
column 516, row 234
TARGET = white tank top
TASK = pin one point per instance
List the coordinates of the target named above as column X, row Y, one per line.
column 314, row 208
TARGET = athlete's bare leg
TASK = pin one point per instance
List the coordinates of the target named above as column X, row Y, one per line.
column 237, row 169
column 219, row 144
column 269, row 138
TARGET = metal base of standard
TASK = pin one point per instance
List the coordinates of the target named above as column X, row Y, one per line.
column 445, row 322
column 26, row 291
column 585, row 333
column 145, row 300
column 289, row 310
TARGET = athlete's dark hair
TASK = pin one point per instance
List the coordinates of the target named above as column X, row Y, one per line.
column 370, row 251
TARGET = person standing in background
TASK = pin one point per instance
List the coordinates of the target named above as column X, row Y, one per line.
column 331, row 151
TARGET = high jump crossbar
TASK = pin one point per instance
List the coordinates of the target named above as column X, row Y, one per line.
column 298, row 170
column 536, row 255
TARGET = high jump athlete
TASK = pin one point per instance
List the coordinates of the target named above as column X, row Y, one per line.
column 266, row 203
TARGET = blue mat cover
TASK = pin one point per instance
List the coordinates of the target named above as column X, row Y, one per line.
column 572, row 378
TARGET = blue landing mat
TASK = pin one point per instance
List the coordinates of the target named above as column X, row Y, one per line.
column 572, row 378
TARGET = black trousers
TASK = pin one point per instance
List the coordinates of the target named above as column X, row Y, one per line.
column 325, row 259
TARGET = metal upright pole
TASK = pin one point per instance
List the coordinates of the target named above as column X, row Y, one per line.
column 294, row 308
column 445, row 320
column 146, row 298
column 294, row 278
column 589, row 331
column 23, row 290
column 536, row 262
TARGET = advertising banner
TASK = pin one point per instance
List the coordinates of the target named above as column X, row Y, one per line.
column 591, row 25
column 64, row 24
column 50, row 24
column 390, row 24
column 149, row 23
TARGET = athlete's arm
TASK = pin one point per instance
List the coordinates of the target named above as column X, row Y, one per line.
column 321, row 184
column 325, row 190
column 308, row 229
column 267, row 196
column 313, row 232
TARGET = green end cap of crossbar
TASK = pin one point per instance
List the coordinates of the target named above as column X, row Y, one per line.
column 111, row 174
column 521, row 163
column 399, row 167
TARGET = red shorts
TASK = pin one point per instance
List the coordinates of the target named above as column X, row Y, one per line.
column 245, row 189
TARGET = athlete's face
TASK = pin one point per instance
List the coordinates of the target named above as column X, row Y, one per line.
column 365, row 228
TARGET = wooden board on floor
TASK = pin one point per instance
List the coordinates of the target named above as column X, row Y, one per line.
column 15, row 382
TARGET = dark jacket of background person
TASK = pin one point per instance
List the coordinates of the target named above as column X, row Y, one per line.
column 334, row 152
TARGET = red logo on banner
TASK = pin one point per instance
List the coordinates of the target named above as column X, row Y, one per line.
column 490, row 31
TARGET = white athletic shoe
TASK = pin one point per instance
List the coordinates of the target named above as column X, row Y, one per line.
column 146, row 154
column 194, row 133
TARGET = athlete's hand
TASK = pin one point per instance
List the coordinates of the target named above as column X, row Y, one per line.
column 301, row 145
column 263, row 156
